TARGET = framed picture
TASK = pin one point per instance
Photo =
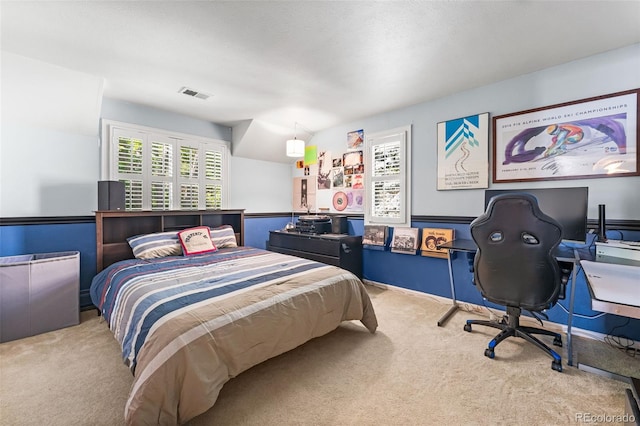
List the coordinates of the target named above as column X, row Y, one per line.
column 352, row 159
column 355, row 139
column 463, row 153
column 375, row 235
column 590, row 138
column 304, row 194
column 405, row 240
column 431, row 238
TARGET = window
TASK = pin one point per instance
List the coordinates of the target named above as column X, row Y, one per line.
column 388, row 177
column 163, row 170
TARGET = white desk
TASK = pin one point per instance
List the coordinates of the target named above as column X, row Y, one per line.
column 615, row 289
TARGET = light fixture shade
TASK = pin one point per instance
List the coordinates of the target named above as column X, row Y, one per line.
column 295, row 148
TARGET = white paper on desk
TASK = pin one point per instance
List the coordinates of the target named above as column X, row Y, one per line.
column 613, row 282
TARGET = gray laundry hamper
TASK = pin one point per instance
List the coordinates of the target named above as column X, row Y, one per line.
column 38, row 293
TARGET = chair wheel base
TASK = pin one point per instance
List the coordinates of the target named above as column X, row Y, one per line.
column 513, row 329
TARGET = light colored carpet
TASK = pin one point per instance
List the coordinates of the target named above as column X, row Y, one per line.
column 411, row 372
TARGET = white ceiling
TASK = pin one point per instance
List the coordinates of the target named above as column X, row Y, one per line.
column 269, row 64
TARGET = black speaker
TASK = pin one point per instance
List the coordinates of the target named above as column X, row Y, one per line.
column 110, row 195
column 339, row 225
column 602, row 226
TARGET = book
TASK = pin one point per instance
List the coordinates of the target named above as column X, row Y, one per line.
column 431, row 238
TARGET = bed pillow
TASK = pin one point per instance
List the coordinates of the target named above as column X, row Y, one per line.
column 196, row 240
column 224, row 236
column 151, row 246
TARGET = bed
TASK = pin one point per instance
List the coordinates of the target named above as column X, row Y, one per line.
column 188, row 324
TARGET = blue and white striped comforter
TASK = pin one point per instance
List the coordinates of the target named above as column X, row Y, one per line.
column 186, row 325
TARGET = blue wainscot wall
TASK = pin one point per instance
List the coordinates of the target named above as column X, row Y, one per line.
column 431, row 275
column 53, row 238
column 414, row 272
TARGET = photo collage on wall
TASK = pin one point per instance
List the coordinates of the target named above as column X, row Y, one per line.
column 348, row 175
column 341, row 175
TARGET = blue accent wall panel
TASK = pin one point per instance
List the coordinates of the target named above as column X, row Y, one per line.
column 584, row 317
column 31, row 239
column 415, row 272
column 256, row 230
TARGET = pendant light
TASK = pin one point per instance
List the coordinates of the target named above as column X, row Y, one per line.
column 295, row 146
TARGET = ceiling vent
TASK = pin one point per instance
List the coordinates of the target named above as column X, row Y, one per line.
column 194, row 93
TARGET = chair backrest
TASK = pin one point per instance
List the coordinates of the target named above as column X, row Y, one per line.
column 515, row 263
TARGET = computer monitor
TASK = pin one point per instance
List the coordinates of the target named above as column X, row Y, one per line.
column 566, row 205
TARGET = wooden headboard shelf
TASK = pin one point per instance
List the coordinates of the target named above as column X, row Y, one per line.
column 114, row 227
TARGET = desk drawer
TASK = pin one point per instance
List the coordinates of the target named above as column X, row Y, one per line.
column 329, row 260
column 305, row 244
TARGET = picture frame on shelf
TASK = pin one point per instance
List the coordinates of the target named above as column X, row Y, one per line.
column 375, row 235
column 432, row 238
column 405, row 240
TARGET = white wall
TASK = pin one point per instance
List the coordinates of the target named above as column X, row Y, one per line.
column 49, row 154
column 46, row 172
column 260, row 186
column 256, row 186
column 49, row 139
column 610, row 72
column 127, row 112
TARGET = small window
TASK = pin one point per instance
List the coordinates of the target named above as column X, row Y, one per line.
column 388, row 177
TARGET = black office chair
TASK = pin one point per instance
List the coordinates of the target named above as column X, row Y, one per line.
column 515, row 267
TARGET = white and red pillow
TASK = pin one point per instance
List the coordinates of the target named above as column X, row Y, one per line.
column 196, row 240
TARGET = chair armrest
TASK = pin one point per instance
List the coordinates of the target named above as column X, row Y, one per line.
column 565, row 274
column 470, row 257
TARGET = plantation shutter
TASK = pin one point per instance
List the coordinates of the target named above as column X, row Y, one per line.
column 164, row 171
column 161, row 174
column 213, row 179
column 188, row 178
column 388, row 190
column 386, row 180
column 129, row 158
